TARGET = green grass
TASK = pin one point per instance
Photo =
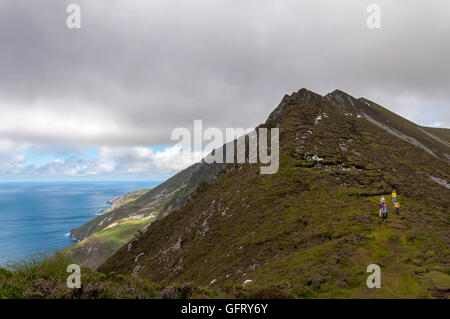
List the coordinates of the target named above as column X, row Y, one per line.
column 95, row 249
column 120, row 234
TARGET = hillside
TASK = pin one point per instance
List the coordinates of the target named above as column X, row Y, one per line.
column 311, row 229
column 424, row 138
column 92, row 251
column 158, row 202
column 441, row 133
column 99, row 238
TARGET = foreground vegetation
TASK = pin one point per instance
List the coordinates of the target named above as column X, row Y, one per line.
column 44, row 277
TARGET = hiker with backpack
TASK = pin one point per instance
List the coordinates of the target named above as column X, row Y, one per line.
column 381, row 205
column 397, row 208
column 385, row 212
column 383, row 209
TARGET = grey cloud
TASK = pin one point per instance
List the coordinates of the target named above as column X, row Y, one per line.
column 151, row 66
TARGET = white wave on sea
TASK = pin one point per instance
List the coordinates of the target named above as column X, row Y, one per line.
column 99, row 212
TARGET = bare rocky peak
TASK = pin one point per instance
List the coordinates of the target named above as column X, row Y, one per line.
column 302, row 96
column 340, row 97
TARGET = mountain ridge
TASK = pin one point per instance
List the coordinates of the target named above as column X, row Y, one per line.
column 311, row 229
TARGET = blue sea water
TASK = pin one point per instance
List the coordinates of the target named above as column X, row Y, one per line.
column 36, row 217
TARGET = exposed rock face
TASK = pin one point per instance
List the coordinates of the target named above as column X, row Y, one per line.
column 312, row 227
column 303, row 95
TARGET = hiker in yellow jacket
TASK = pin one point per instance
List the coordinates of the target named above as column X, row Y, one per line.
column 394, row 197
column 397, row 208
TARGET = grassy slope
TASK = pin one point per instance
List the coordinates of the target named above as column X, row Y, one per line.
column 123, row 232
column 95, row 249
column 45, row 277
column 161, row 200
column 411, row 129
column 311, row 229
column 442, row 133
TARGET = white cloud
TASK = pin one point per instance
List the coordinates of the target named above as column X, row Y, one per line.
column 111, row 161
column 12, row 155
column 137, row 160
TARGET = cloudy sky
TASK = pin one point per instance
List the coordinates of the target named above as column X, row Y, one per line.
column 100, row 102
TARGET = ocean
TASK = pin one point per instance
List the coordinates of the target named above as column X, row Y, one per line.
column 36, row 217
